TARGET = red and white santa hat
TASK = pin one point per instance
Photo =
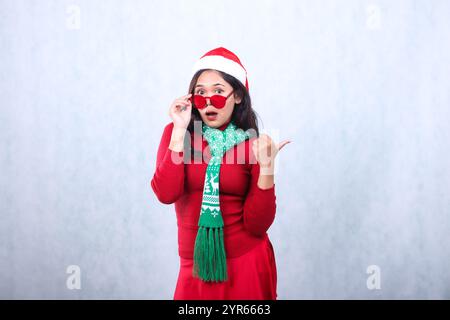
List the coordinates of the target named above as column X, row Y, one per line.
column 223, row 60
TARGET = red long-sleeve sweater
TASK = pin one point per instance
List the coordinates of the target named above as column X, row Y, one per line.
column 247, row 210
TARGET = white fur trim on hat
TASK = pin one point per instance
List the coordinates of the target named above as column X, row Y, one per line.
column 222, row 64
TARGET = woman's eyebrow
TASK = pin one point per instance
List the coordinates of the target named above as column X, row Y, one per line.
column 214, row 85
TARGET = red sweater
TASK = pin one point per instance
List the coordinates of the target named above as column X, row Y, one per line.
column 247, row 210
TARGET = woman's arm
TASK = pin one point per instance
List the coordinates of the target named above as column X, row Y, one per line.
column 266, row 176
column 260, row 204
column 168, row 180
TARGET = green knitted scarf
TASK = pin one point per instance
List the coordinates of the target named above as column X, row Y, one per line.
column 210, row 262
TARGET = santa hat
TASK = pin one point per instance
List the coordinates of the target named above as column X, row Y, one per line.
column 223, row 60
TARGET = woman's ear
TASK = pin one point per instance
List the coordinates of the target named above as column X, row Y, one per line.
column 237, row 99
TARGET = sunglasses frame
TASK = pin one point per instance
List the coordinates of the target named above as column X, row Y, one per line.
column 206, row 104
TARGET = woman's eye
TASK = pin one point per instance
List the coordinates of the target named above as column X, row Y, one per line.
column 202, row 92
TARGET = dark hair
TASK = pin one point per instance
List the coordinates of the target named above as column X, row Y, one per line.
column 243, row 116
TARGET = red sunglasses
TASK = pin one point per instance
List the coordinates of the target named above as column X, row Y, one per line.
column 216, row 100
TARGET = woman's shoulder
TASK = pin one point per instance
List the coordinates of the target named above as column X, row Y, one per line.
column 244, row 153
column 167, row 131
column 168, row 127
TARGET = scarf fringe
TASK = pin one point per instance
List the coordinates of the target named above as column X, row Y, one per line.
column 210, row 263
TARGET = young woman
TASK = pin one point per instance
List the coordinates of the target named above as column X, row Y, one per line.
column 219, row 171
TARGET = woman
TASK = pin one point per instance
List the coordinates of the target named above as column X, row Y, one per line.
column 213, row 164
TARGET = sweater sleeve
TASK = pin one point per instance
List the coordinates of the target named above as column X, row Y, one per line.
column 168, row 180
column 259, row 206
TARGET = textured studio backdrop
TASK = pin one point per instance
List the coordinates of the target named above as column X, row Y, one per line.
column 360, row 87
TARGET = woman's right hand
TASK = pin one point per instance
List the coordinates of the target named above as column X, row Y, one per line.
column 180, row 111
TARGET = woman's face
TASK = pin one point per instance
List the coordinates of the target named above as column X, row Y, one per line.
column 210, row 83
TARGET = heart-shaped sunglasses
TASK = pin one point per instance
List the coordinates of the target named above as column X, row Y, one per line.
column 218, row 101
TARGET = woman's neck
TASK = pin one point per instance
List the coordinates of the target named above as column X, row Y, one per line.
column 224, row 126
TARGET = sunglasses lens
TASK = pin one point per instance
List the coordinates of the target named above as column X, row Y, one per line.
column 199, row 101
column 218, row 101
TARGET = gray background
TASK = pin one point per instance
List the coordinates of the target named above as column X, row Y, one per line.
column 361, row 87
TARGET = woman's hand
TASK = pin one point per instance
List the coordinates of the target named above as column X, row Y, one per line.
column 180, row 112
column 265, row 151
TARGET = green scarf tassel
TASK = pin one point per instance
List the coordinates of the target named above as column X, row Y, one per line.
column 210, row 261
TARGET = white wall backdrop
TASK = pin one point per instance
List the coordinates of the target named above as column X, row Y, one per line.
column 361, row 87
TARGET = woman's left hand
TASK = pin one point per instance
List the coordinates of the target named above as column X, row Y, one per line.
column 265, row 151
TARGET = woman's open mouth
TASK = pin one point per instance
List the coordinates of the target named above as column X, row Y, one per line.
column 211, row 115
